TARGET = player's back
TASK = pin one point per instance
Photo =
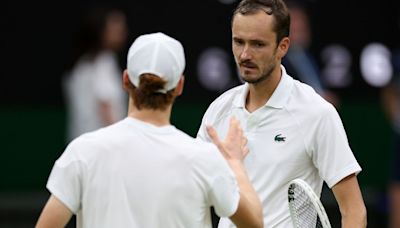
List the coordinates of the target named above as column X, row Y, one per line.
column 138, row 175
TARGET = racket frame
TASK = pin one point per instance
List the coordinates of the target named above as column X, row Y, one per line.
column 296, row 183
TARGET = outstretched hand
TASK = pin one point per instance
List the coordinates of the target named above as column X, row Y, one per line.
column 233, row 147
column 249, row 212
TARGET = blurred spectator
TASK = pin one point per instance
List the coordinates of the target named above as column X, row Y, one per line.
column 299, row 61
column 391, row 103
column 93, row 83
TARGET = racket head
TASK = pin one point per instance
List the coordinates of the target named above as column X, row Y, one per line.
column 306, row 209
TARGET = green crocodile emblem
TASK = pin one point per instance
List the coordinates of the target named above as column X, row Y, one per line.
column 279, row 138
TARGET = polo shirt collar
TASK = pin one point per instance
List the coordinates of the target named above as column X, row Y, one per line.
column 278, row 99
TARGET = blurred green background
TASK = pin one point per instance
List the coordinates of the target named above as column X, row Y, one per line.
column 34, row 137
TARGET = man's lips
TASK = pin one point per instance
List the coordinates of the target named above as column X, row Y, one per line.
column 248, row 65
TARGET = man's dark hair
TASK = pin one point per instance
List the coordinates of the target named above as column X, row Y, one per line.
column 276, row 8
column 146, row 95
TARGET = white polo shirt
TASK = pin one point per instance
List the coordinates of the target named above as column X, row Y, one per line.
column 134, row 174
column 296, row 134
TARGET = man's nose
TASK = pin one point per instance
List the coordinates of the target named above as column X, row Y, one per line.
column 246, row 53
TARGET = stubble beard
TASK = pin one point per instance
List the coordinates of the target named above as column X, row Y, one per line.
column 264, row 75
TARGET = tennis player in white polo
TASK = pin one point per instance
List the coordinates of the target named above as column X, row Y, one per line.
column 292, row 131
column 143, row 172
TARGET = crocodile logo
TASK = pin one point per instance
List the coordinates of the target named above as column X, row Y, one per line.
column 279, row 138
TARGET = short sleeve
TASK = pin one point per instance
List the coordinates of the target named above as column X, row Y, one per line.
column 202, row 133
column 65, row 181
column 332, row 154
column 208, row 119
column 224, row 190
column 225, row 196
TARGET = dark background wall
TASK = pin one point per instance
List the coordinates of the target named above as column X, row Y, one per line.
column 35, row 45
column 36, row 37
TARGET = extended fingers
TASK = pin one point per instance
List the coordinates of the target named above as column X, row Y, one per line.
column 235, row 143
column 235, row 131
column 244, row 148
column 214, row 137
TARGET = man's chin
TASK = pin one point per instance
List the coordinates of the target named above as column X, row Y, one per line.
column 248, row 75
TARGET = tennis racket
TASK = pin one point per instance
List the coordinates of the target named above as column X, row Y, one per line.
column 306, row 209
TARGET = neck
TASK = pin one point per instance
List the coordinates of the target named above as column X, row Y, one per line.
column 156, row 117
column 260, row 93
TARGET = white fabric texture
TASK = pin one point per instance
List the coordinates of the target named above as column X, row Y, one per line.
column 296, row 134
column 134, row 174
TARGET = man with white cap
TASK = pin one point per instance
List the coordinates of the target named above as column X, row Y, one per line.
column 142, row 171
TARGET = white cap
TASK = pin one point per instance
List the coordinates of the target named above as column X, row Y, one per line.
column 157, row 54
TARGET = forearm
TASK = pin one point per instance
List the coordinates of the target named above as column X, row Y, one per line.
column 249, row 198
column 355, row 218
column 55, row 214
column 249, row 212
column 351, row 203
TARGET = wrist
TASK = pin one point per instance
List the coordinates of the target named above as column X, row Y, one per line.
column 236, row 163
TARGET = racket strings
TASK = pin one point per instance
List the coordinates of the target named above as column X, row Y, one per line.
column 304, row 212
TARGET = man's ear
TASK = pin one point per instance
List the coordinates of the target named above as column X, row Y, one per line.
column 126, row 82
column 179, row 86
column 283, row 47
